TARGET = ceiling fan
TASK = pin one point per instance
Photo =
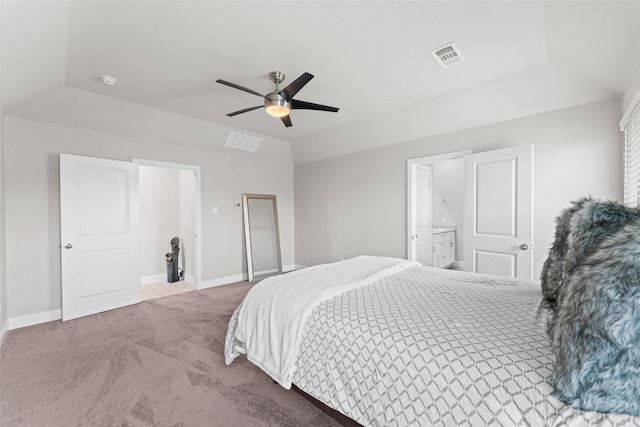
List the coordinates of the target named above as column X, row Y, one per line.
column 280, row 102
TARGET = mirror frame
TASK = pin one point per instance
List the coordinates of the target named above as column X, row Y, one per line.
column 247, row 233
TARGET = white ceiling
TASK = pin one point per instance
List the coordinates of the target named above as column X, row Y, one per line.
column 371, row 59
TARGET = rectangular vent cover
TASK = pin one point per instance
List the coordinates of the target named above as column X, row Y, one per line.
column 243, row 142
column 448, row 55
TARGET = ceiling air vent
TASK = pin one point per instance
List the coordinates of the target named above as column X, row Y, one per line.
column 243, row 142
column 448, row 55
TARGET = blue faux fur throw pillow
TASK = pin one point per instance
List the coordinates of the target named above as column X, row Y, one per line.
column 591, row 286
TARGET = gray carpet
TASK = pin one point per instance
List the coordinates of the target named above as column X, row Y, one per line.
column 157, row 363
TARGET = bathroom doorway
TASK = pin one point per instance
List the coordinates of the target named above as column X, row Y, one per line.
column 444, row 202
column 483, row 201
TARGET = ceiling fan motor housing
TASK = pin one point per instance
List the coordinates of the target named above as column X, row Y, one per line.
column 276, row 104
column 276, row 76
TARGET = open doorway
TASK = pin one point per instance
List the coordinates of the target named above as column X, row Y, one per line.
column 435, row 214
column 481, row 216
column 169, row 213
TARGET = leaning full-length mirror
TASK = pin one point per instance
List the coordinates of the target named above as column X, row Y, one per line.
column 261, row 233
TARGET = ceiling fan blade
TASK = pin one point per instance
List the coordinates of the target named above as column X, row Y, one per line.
column 287, row 121
column 293, row 88
column 233, row 85
column 235, row 113
column 302, row 105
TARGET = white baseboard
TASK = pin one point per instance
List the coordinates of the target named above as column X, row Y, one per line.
column 240, row 277
column 48, row 316
column 155, row 278
column 34, row 319
column 262, row 273
column 222, row 281
column 3, row 333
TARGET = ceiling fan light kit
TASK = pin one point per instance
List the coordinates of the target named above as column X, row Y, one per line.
column 280, row 102
column 276, row 105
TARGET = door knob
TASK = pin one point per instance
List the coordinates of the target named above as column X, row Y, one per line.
column 68, row 246
column 524, row 247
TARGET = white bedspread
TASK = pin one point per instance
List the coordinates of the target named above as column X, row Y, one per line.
column 274, row 345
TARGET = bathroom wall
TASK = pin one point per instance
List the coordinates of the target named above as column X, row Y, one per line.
column 448, row 198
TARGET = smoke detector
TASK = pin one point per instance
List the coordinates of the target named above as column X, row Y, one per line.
column 448, row 55
column 108, row 80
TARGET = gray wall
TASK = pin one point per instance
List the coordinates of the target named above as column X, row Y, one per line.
column 357, row 204
column 3, row 277
column 159, row 219
column 448, row 184
column 166, row 211
column 631, row 91
column 33, row 207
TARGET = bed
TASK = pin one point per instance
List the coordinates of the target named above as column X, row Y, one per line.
column 388, row 342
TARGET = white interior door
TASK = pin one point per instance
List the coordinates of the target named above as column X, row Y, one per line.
column 419, row 213
column 99, row 235
column 423, row 215
column 498, row 212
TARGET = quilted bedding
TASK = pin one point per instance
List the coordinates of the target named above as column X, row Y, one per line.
column 268, row 324
column 427, row 346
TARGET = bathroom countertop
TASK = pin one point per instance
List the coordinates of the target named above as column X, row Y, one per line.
column 443, row 229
